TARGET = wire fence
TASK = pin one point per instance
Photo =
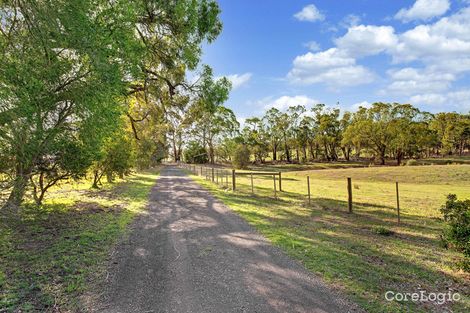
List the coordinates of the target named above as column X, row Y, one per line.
column 386, row 200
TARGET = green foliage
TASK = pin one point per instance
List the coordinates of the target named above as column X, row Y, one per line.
column 382, row 131
column 457, row 234
column 195, row 153
column 211, row 120
column 68, row 77
column 381, row 230
column 116, row 158
column 60, row 80
column 241, row 156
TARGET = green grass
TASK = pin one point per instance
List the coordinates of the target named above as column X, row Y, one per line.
column 366, row 253
column 51, row 255
column 317, row 165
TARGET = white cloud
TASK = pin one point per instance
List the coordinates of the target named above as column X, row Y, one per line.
column 411, row 81
column 423, row 10
column 332, row 67
column 428, row 99
column 312, row 46
column 356, row 106
column 367, row 40
column 447, row 38
column 239, row 80
column 456, row 100
column 460, row 100
column 284, row 102
column 350, row 21
column 440, row 52
column 310, row 13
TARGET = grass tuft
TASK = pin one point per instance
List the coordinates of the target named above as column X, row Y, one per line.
column 380, row 230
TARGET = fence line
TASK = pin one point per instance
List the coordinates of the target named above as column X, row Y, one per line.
column 220, row 176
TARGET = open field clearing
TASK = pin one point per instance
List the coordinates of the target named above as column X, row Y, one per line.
column 347, row 250
column 286, row 167
column 52, row 255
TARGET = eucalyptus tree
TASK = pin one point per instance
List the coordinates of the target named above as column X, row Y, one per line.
column 373, row 128
column 295, row 114
column 211, row 120
column 344, row 123
column 61, row 79
column 256, row 137
column 272, row 119
column 329, row 133
column 71, row 68
column 453, row 131
column 172, row 33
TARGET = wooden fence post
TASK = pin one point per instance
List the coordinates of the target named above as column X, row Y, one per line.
column 280, row 182
column 308, row 187
column 213, row 175
column 274, row 180
column 350, row 200
column 234, row 184
column 398, row 203
column 251, row 182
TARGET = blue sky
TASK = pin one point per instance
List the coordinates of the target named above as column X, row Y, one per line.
column 285, row 52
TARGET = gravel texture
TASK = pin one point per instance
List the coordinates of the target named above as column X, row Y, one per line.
column 190, row 253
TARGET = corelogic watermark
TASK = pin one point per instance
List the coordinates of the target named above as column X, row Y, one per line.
column 423, row 296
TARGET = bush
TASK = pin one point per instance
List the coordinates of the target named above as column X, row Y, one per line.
column 411, row 162
column 241, row 156
column 380, row 230
column 457, row 233
column 195, row 153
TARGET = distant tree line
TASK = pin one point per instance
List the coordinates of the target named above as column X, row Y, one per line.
column 380, row 132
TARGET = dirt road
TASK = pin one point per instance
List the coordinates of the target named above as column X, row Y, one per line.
column 190, row 253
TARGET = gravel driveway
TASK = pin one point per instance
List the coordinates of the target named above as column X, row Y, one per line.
column 190, row 253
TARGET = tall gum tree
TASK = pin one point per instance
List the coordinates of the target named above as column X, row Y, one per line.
column 60, row 78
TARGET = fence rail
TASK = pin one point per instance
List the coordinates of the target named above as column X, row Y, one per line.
column 228, row 178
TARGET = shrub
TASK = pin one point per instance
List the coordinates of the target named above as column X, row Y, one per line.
column 195, row 153
column 380, row 230
column 457, row 233
column 411, row 162
column 241, row 156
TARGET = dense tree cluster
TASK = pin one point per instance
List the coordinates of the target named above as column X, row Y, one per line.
column 96, row 87
column 381, row 131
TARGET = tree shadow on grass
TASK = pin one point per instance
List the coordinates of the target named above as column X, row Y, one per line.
column 342, row 247
column 51, row 248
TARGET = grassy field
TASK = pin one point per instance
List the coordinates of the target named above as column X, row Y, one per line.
column 347, row 249
column 51, row 254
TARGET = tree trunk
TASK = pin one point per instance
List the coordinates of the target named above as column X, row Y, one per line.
column 95, row 180
column 346, row 153
column 19, row 187
column 312, row 151
column 286, row 149
column 399, row 157
column 325, row 149
column 211, row 153
column 175, row 152
column 382, row 157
